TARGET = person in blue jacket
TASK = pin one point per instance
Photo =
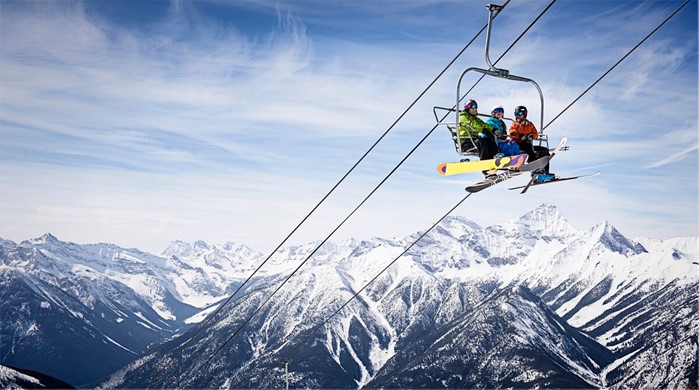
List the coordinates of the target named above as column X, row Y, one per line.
column 505, row 146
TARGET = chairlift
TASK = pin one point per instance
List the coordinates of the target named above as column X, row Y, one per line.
column 466, row 147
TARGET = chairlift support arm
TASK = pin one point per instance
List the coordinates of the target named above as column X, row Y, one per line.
column 494, row 72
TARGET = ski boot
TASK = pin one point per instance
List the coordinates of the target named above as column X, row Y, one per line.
column 544, row 177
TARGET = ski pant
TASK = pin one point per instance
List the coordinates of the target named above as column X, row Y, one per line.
column 487, row 149
column 535, row 153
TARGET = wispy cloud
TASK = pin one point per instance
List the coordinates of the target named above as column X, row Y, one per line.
column 683, row 143
column 263, row 117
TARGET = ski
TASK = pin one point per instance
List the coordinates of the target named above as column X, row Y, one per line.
column 557, row 179
column 561, row 144
column 499, row 178
column 491, row 181
column 536, row 164
column 455, row 168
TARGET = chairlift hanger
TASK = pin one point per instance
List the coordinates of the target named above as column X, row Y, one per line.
column 493, row 72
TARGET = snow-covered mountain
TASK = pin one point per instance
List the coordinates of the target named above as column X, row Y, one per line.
column 79, row 312
column 11, row 378
column 531, row 302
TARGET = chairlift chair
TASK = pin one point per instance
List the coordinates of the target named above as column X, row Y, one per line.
column 467, row 147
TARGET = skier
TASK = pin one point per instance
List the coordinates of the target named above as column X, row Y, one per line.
column 523, row 132
column 471, row 125
column 505, row 146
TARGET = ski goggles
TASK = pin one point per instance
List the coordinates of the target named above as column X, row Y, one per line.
column 520, row 113
column 472, row 105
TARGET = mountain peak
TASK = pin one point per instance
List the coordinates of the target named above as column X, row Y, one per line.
column 47, row 238
column 546, row 209
column 182, row 248
column 611, row 238
column 460, row 222
column 231, row 250
column 544, row 219
column 201, row 245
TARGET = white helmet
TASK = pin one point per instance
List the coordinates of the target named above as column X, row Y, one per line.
column 497, row 108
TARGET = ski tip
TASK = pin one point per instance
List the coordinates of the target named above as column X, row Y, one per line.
column 442, row 169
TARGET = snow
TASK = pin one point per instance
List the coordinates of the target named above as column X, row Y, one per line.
column 141, row 316
column 85, row 272
column 200, row 316
column 118, row 345
column 8, row 376
column 128, row 256
column 539, row 249
column 32, row 329
column 530, row 331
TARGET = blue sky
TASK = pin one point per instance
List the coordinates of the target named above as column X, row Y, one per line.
column 139, row 123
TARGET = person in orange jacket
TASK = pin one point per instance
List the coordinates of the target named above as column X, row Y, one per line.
column 523, row 132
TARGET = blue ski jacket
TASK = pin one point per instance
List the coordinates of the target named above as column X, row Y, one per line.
column 498, row 125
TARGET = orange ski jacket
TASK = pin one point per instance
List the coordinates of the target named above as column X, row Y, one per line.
column 526, row 128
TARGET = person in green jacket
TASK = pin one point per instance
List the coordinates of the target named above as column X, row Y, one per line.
column 469, row 122
column 480, row 132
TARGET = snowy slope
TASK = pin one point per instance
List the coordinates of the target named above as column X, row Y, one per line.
column 11, row 378
column 531, row 302
column 92, row 308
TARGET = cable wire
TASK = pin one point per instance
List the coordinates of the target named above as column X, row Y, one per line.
column 374, row 190
column 618, row 62
column 289, row 355
column 395, row 168
column 371, row 148
column 205, row 324
column 378, row 186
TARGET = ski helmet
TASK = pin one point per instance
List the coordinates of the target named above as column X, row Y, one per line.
column 521, row 111
column 470, row 104
column 497, row 109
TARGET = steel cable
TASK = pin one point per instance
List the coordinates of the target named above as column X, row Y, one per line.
column 295, row 349
column 211, row 316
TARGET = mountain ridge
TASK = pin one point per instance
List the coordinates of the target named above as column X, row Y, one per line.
column 582, row 285
column 448, row 274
